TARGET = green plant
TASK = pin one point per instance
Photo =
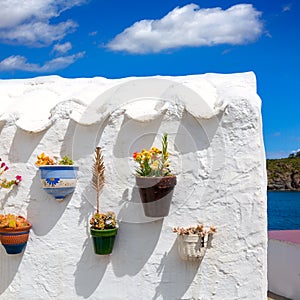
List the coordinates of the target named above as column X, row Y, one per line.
column 103, row 221
column 153, row 162
column 199, row 230
column 66, row 161
column 45, row 160
column 99, row 220
column 4, row 183
column 12, row 221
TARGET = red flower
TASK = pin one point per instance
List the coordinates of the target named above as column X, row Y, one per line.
column 18, row 179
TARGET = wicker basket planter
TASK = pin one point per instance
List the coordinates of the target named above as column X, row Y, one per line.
column 192, row 247
column 193, row 241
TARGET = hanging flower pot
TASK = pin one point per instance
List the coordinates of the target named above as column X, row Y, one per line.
column 192, row 247
column 104, row 226
column 154, row 179
column 14, row 233
column 156, row 194
column 103, row 240
column 103, row 229
column 58, row 180
column 192, row 242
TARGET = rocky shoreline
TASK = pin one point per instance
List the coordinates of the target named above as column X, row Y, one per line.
column 283, row 174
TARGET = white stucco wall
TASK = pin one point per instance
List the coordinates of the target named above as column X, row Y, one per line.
column 283, row 268
column 215, row 140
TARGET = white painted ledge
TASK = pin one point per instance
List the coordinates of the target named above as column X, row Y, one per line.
column 284, row 263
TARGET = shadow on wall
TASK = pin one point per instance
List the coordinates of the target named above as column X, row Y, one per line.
column 174, row 284
column 89, row 270
column 84, row 138
column 23, row 145
column 9, row 265
column 133, row 249
column 67, row 144
column 40, row 205
column 129, row 254
column 194, row 135
column 8, row 194
column 135, row 135
column 2, row 123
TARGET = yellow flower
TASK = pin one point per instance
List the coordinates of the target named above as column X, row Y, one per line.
column 155, row 165
column 42, row 160
column 147, row 155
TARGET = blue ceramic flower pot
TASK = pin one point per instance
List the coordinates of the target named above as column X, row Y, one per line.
column 59, row 180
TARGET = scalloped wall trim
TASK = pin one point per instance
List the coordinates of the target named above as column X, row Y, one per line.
column 35, row 104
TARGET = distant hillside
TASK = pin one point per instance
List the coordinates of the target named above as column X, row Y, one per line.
column 284, row 173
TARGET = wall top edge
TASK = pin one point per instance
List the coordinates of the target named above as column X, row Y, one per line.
column 34, row 104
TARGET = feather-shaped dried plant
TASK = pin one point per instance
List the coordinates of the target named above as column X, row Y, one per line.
column 98, row 179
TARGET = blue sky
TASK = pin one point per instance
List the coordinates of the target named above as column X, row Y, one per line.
column 113, row 39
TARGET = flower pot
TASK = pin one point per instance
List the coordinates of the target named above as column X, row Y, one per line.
column 14, row 240
column 59, row 180
column 192, row 247
column 103, row 240
column 156, row 194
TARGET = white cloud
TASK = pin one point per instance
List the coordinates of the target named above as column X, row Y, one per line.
column 37, row 34
column 18, row 62
column 62, row 48
column 28, row 22
column 190, row 26
column 93, row 33
column 287, row 7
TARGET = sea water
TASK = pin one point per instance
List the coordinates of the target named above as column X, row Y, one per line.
column 283, row 210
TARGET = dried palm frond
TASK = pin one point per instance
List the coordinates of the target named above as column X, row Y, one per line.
column 98, row 179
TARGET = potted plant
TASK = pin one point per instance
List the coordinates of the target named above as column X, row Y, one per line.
column 58, row 177
column 155, row 180
column 14, row 233
column 193, row 241
column 104, row 227
column 14, row 230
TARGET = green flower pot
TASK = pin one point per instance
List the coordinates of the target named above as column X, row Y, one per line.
column 103, row 240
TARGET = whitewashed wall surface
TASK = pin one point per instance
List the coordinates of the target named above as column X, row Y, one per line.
column 216, row 151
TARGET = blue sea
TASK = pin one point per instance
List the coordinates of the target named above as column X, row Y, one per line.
column 283, row 210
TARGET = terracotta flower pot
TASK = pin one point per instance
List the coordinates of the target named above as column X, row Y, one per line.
column 103, row 240
column 14, row 240
column 156, row 194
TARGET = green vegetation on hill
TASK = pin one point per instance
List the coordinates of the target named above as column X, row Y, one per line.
column 284, row 173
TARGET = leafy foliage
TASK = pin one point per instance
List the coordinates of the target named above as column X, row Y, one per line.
column 154, row 162
column 46, row 160
column 12, row 221
column 66, row 161
column 4, row 183
column 199, row 230
column 283, row 173
column 103, row 221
